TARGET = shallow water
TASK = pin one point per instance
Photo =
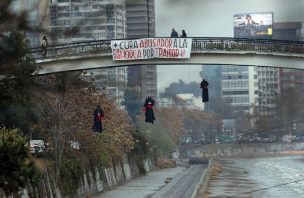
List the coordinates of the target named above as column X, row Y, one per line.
column 247, row 175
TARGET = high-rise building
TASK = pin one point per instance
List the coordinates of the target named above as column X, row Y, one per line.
column 232, row 94
column 212, row 74
column 37, row 13
column 141, row 24
column 81, row 20
column 292, row 31
column 232, row 85
column 140, row 18
column 238, row 87
column 268, row 89
column 110, row 81
column 290, row 78
column 272, row 81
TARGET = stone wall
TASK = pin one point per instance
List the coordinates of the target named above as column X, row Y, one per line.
column 94, row 180
column 244, row 150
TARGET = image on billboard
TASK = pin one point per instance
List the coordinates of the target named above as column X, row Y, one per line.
column 253, row 25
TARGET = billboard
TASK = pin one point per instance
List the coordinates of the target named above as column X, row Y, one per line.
column 253, row 25
column 150, row 48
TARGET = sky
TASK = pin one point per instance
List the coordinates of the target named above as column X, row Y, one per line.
column 211, row 18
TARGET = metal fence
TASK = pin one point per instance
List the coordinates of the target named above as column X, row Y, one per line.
column 199, row 45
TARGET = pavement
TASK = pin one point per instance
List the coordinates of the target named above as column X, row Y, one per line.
column 145, row 186
column 184, row 185
column 184, row 180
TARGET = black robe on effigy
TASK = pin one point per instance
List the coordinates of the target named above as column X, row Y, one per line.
column 98, row 115
column 149, row 114
column 205, row 95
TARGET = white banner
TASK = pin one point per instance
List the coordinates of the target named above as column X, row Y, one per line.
column 149, row 48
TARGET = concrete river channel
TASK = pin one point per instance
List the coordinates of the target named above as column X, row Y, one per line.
column 259, row 178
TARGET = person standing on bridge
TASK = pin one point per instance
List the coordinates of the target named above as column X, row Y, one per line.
column 174, row 33
column 184, row 35
column 44, row 46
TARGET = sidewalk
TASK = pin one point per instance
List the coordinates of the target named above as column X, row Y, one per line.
column 144, row 186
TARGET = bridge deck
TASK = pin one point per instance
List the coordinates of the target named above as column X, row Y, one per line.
column 238, row 51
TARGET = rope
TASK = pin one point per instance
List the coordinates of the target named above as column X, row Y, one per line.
column 261, row 189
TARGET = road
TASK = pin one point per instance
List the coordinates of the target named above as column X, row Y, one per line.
column 182, row 185
column 259, row 178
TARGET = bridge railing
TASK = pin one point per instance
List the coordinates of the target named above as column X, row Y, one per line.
column 199, row 45
column 100, row 47
column 247, row 45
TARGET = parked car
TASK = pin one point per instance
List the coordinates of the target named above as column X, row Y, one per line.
column 197, row 160
column 287, row 138
column 188, row 140
column 75, row 145
column 37, row 146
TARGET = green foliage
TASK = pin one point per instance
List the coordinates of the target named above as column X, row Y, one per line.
column 18, row 61
column 289, row 111
column 71, row 174
column 141, row 150
column 15, row 163
column 141, row 145
column 16, row 69
column 104, row 160
column 140, row 165
column 133, row 102
column 158, row 138
column 181, row 87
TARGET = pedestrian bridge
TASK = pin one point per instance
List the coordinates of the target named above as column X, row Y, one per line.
column 219, row 51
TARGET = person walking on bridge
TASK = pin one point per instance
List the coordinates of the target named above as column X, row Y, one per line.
column 174, row 33
column 44, row 46
column 184, row 35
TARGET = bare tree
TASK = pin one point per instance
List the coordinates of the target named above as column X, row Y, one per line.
column 58, row 119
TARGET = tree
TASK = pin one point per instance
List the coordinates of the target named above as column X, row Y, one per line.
column 56, row 114
column 198, row 123
column 133, row 102
column 158, row 138
column 68, row 116
column 222, row 107
column 171, row 119
column 16, row 69
column 289, row 106
column 182, row 87
column 17, row 167
column 288, row 112
column 164, row 134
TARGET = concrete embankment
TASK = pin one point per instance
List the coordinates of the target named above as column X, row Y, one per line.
column 202, row 186
column 245, row 150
